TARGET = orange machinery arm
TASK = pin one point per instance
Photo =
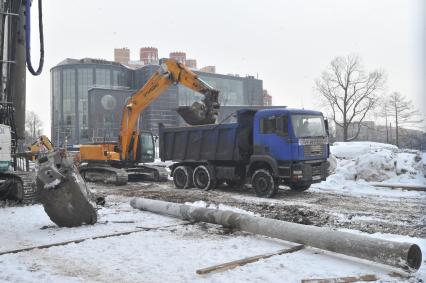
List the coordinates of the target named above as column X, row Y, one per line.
column 169, row 72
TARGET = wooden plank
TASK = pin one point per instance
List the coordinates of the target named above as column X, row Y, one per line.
column 347, row 279
column 240, row 262
column 77, row 241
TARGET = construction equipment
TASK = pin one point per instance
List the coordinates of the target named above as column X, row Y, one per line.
column 118, row 163
column 15, row 181
column 265, row 147
column 41, row 146
column 62, row 191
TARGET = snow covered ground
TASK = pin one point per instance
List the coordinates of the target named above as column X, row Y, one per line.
column 173, row 250
column 171, row 254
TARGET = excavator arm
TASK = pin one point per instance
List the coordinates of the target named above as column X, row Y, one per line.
column 170, row 72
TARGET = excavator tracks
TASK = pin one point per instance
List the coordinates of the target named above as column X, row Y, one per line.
column 20, row 186
column 120, row 176
column 104, row 174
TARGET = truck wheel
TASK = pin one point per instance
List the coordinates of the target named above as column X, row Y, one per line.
column 182, row 177
column 204, row 178
column 299, row 188
column 264, row 184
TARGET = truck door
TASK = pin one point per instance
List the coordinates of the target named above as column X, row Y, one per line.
column 274, row 132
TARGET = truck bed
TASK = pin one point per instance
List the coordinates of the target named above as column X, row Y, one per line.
column 217, row 142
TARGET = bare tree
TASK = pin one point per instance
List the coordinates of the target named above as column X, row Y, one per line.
column 350, row 92
column 33, row 125
column 403, row 111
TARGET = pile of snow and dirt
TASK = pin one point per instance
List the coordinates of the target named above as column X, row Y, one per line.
column 377, row 162
column 355, row 164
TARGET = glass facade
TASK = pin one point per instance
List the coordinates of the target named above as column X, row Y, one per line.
column 72, row 79
column 70, row 82
column 231, row 91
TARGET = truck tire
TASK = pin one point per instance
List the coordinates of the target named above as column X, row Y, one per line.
column 299, row 188
column 204, row 178
column 182, row 177
column 264, row 183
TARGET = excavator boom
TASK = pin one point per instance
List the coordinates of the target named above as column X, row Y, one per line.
column 170, row 72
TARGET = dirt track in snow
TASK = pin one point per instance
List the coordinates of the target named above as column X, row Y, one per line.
column 371, row 214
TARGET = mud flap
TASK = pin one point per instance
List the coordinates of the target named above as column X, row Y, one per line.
column 63, row 192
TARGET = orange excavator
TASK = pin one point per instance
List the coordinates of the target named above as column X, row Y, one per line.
column 117, row 163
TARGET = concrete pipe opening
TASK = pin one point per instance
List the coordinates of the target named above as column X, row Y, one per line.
column 414, row 257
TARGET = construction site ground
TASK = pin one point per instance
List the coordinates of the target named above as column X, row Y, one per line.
column 155, row 248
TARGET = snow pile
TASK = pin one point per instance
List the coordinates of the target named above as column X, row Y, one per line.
column 377, row 162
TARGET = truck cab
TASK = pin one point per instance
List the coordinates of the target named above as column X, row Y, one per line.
column 293, row 143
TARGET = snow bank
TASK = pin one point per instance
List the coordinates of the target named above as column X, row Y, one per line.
column 377, row 162
column 354, row 164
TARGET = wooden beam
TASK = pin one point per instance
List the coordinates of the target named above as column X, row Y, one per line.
column 240, row 262
column 77, row 241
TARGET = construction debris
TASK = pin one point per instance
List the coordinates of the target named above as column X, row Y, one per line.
column 244, row 261
column 403, row 255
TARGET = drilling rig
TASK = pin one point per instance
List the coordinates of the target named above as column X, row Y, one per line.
column 16, row 182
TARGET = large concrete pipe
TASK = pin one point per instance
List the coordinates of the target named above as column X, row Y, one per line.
column 402, row 255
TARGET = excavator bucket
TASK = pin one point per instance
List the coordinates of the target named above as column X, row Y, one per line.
column 63, row 192
column 197, row 114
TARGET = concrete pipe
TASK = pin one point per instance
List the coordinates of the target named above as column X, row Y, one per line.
column 403, row 255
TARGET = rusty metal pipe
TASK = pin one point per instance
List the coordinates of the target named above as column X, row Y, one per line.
column 403, row 255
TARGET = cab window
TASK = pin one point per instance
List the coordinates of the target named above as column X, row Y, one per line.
column 274, row 125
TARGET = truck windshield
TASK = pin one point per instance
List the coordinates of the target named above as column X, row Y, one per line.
column 308, row 125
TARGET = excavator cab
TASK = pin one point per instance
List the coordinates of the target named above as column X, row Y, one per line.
column 146, row 147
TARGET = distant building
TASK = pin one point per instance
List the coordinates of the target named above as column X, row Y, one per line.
column 209, row 69
column 191, row 63
column 148, row 55
column 267, row 99
column 121, row 55
column 178, row 56
column 105, row 109
column 70, row 81
column 87, row 97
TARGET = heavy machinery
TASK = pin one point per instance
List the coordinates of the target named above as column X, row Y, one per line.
column 118, row 163
column 264, row 147
column 41, row 146
column 15, row 180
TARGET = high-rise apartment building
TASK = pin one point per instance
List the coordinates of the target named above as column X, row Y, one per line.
column 122, row 55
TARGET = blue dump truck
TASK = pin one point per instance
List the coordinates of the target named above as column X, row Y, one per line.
column 264, row 147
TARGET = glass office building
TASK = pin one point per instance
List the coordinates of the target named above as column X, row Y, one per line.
column 72, row 80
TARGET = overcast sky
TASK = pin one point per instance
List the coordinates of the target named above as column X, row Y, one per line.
column 287, row 44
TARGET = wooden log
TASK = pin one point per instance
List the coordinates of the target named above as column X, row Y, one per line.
column 244, row 261
column 348, row 279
